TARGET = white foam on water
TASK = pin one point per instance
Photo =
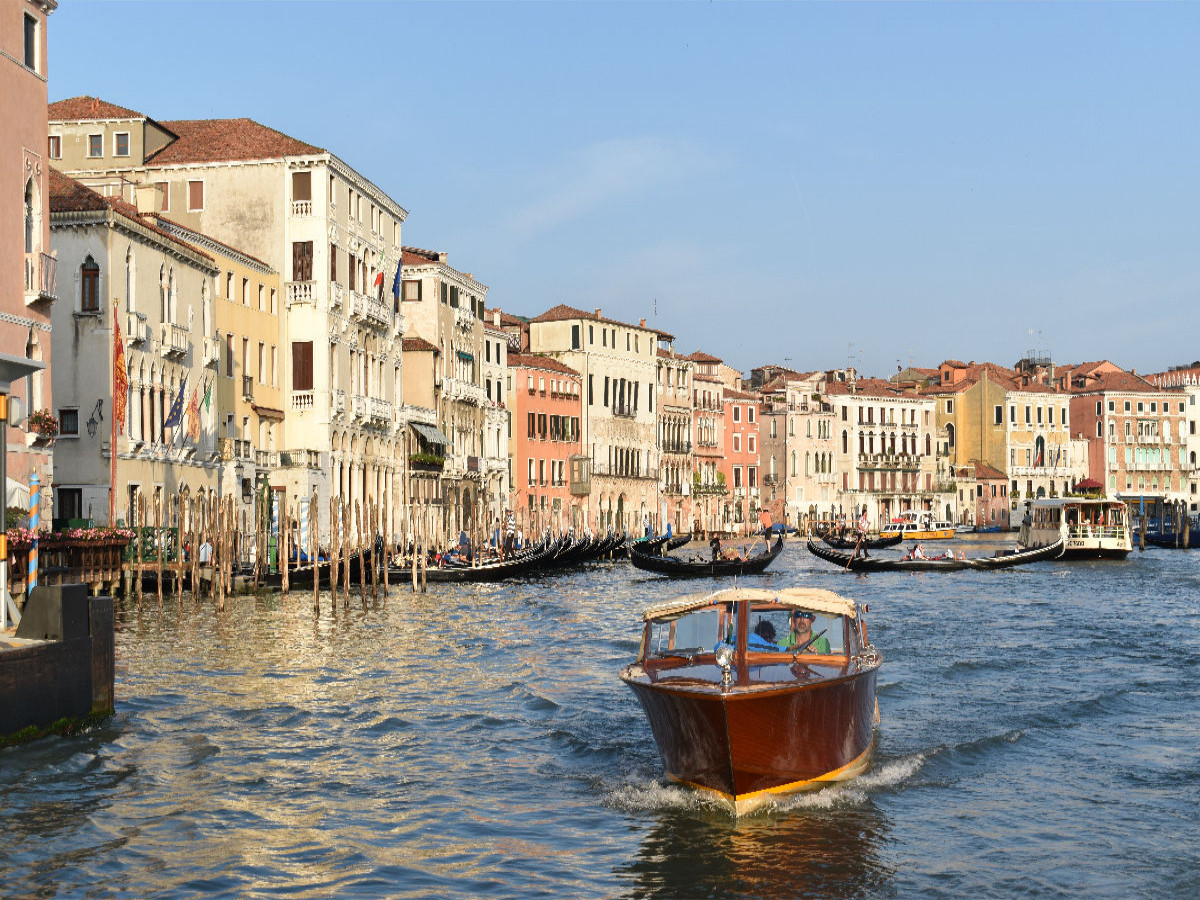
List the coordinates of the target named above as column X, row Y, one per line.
column 640, row 796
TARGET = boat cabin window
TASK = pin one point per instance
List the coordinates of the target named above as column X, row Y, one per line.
column 778, row 620
column 698, row 631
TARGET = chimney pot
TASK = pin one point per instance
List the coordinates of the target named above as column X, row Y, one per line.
column 598, row 312
column 642, row 322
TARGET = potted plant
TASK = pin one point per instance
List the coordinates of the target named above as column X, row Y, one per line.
column 44, row 423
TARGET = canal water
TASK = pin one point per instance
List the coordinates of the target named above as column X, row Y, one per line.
column 1039, row 738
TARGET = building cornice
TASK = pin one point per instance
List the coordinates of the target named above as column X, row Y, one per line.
column 109, row 218
column 195, row 237
column 367, row 187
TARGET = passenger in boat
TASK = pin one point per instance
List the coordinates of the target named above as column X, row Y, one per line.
column 763, row 637
column 801, row 633
column 715, row 545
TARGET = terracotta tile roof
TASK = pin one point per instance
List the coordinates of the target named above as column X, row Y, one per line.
column 416, row 343
column 68, row 195
column 864, row 387
column 415, row 256
column 730, row 394
column 955, row 364
column 701, row 357
column 87, row 109
column 534, row 361
column 983, row 470
column 562, row 313
column 1115, row 381
column 221, row 140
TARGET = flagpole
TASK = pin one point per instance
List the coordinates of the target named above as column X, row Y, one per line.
column 112, row 415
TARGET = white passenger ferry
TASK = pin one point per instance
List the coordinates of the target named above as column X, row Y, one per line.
column 1090, row 529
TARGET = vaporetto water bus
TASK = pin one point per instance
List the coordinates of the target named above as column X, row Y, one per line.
column 1089, row 528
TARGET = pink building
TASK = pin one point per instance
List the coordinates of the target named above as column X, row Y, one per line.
column 740, row 465
column 25, row 299
column 547, row 402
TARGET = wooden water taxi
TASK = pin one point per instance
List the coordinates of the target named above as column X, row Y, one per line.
column 752, row 693
column 1089, row 528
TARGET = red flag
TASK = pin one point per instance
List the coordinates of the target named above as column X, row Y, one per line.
column 120, row 375
column 193, row 412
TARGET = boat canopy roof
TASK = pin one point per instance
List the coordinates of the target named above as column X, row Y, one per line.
column 813, row 599
column 1052, row 502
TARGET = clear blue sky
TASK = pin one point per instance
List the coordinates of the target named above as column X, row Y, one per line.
column 799, row 182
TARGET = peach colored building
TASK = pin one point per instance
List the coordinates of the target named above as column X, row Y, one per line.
column 25, row 301
column 710, row 488
column 742, row 415
column 547, row 402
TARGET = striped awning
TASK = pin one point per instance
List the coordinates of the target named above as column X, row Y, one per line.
column 430, row 433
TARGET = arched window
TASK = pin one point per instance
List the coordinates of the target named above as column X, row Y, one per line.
column 949, row 435
column 31, row 216
column 845, row 442
column 927, row 446
column 89, row 286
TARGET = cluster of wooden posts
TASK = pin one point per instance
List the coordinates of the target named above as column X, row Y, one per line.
column 205, row 541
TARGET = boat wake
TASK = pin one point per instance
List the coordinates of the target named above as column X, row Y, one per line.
column 857, row 792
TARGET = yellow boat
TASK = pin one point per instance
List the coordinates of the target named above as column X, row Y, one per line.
column 919, row 531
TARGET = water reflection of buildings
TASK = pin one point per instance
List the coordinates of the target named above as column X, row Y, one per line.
column 826, row 853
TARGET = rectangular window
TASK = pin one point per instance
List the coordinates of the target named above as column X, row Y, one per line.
column 262, row 299
column 302, row 365
column 412, row 291
column 31, row 42
column 301, row 186
column 737, row 416
column 229, row 355
column 274, row 366
column 262, row 363
column 95, row 145
column 302, row 260
column 532, row 425
column 575, row 337
column 121, row 143
column 999, row 414
column 274, row 302
column 195, row 196
column 68, row 422
column 591, row 385
column 89, row 298
column 55, row 147
column 333, row 252
column 245, row 292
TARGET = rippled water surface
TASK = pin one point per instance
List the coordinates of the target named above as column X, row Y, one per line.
column 1039, row 738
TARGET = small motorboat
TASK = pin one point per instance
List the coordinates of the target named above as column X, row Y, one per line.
column 948, row 562
column 705, row 568
column 752, row 693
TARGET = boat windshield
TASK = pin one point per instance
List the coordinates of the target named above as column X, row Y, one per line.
column 771, row 631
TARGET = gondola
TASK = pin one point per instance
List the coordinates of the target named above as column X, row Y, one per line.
column 512, row 567
column 1004, row 559
column 673, row 565
column 840, row 543
column 744, row 719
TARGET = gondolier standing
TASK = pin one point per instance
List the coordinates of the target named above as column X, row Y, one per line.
column 510, row 533
column 863, row 526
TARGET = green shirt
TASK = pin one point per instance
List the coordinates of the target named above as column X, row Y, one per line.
column 820, row 645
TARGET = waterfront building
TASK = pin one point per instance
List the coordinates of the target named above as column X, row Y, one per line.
column 983, row 501
column 741, row 462
column 497, row 388
column 1186, row 381
column 332, row 234
column 1136, row 432
column 710, row 488
column 153, row 284
column 885, row 451
column 445, row 307
column 25, row 247
column 673, row 384
column 799, row 458
column 1015, row 421
column 617, row 363
column 547, row 402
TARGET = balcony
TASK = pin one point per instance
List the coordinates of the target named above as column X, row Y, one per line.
column 463, row 391
column 235, row 448
column 212, row 351
column 300, row 459
column 624, row 410
column 302, row 401
column 336, row 295
column 266, row 459
column 302, row 208
column 247, row 387
column 609, row 471
column 339, row 403
column 379, row 411
column 370, row 310
column 889, row 461
column 299, row 293
column 136, row 328
column 464, row 319
column 358, row 407
column 41, row 275
column 677, row 447
column 173, row 339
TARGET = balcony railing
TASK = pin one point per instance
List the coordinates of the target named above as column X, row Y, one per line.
column 336, row 295
column 302, row 207
column 619, row 472
column 339, row 403
column 299, row 459
column 41, row 276
column 247, row 387
column 212, row 351
column 677, row 447
column 236, row 448
column 173, row 338
column 370, row 310
column 457, row 389
column 266, row 459
column 299, row 293
column 379, row 410
column 624, row 410
column 302, row 400
column 136, row 328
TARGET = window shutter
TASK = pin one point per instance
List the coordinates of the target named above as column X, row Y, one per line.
column 302, row 365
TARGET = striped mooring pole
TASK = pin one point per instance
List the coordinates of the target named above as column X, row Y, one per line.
column 35, row 495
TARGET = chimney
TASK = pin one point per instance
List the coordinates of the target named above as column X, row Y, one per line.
column 496, row 317
column 146, row 199
column 642, row 322
column 598, row 316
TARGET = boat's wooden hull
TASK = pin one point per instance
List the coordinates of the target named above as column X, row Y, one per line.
column 849, row 543
column 1002, row 560
column 748, row 743
column 671, row 565
column 926, row 534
